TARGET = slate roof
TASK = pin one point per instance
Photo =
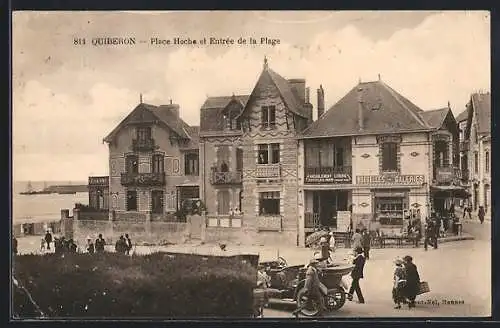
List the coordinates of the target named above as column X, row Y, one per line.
column 211, row 113
column 463, row 116
column 163, row 114
column 194, row 137
column 290, row 99
column 482, row 107
column 435, row 118
column 384, row 111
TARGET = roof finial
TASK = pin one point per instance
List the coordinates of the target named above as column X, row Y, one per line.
column 140, row 98
column 379, row 77
column 449, row 104
column 265, row 62
column 359, row 80
column 170, row 101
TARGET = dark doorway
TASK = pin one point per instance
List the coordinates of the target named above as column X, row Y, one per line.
column 327, row 203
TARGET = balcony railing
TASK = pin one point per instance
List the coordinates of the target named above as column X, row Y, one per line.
column 223, row 221
column 143, row 179
column 270, row 223
column 464, row 146
column 224, row 178
column 268, row 171
column 98, row 181
column 311, row 220
column 143, row 144
column 328, row 174
column 446, row 175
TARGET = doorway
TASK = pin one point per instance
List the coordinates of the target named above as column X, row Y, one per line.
column 327, row 203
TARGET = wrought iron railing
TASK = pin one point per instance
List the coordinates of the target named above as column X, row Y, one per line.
column 268, row 171
column 221, row 178
column 143, row 179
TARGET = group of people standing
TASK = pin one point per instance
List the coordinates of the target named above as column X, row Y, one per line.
column 406, row 282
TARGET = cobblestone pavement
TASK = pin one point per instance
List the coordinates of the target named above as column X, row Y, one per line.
column 457, row 272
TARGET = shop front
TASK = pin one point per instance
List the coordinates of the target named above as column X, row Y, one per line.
column 323, row 208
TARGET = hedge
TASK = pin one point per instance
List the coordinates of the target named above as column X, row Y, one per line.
column 157, row 285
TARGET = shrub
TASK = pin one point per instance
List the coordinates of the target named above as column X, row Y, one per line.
column 156, row 285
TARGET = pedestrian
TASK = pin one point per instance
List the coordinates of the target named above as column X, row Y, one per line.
column 480, row 214
column 356, row 240
column 90, row 246
column 325, row 248
column 356, row 275
column 48, row 239
column 72, row 246
column 121, row 245
column 412, row 280
column 14, row 246
column 417, row 232
column 99, row 244
column 129, row 244
column 315, row 289
column 366, row 243
column 399, row 283
column 42, row 244
column 428, row 233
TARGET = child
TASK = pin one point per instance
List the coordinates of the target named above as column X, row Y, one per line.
column 42, row 245
column 399, row 281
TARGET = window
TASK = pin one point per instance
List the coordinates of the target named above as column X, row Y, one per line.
column 240, row 199
column 131, row 200
column 223, row 202
column 191, row 164
column 389, row 156
column 275, row 153
column 158, row 163
column 268, row 116
column 143, row 133
column 239, row 159
column 487, row 161
column 132, row 164
column 157, row 201
column 171, row 201
column 269, row 153
column 339, row 157
column 269, row 203
column 476, row 162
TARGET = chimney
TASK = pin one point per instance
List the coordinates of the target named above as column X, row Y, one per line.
column 174, row 108
column 298, row 87
column 308, row 94
column 321, row 101
column 361, row 117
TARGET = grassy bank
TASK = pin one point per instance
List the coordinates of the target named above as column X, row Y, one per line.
column 155, row 285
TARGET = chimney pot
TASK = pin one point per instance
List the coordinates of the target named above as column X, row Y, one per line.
column 308, row 94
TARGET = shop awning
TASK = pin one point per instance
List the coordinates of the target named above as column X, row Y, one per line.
column 455, row 191
column 188, row 184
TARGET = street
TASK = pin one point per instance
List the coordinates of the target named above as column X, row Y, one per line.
column 457, row 272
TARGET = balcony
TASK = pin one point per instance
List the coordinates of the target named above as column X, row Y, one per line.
column 143, row 179
column 270, row 223
column 99, row 181
column 325, row 174
column 447, row 175
column 223, row 221
column 225, row 178
column 266, row 171
column 464, row 146
column 143, row 144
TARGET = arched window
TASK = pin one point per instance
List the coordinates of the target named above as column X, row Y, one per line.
column 487, row 161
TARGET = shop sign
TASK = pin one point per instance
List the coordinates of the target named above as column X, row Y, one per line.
column 390, row 179
column 329, row 178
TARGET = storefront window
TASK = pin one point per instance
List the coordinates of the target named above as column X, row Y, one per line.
column 390, row 210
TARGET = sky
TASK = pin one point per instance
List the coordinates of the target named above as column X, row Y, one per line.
column 67, row 98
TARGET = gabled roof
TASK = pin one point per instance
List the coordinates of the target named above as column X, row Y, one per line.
column 435, row 118
column 150, row 113
column 289, row 97
column 194, row 137
column 482, row 107
column 211, row 112
column 384, row 111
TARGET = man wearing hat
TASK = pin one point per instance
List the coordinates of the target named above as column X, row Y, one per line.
column 357, row 274
column 314, row 286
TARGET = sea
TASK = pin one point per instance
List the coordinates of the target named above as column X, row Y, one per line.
column 43, row 207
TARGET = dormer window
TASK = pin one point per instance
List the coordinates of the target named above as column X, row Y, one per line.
column 268, row 116
column 143, row 133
